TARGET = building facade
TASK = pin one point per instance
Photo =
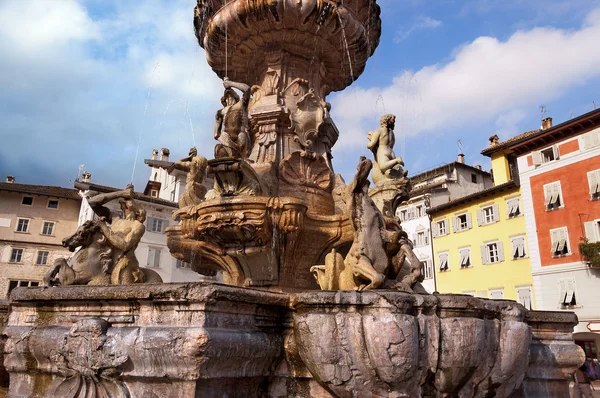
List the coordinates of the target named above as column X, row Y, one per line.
column 432, row 188
column 33, row 221
column 559, row 169
column 480, row 241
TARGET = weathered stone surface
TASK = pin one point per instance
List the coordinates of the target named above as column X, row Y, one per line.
column 153, row 341
column 392, row 344
column 3, row 321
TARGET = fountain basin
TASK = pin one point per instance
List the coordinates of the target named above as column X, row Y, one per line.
column 392, row 344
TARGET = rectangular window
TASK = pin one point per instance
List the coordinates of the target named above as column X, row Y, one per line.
column 421, row 238
column 443, row 261
column 474, row 178
column 183, row 264
column 462, row 222
column 545, row 155
column 42, row 258
column 496, row 294
column 419, row 211
column 567, row 292
column 524, row 297
column 594, row 184
column 154, row 257
column 14, row 284
column 465, row 257
column 560, row 242
column 154, row 193
column 27, row 201
column 172, row 196
column 156, row 225
column 48, row 228
column 22, row 225
column 16, row 255
column 591, row 139
column 553, row 196
column 488, row 215
column 518, row 247
column 427, row 268
column 592, row 231
column 492, row 253
column 441, row 228
column 53, row 204
column 513, row 207
column 403, row 215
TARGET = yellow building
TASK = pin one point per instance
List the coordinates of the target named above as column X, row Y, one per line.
column 480, row 244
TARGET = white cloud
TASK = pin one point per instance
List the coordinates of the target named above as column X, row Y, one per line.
column 484, row 79
column 422, row 22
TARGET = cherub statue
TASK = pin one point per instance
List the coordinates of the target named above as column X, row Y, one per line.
column 381, row 142
column 195, row 166
column 231, row 122
column 107, row 254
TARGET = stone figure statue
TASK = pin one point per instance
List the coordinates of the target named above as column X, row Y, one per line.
column 381, row 143
column 231, row 122
column 195, row 166
column 377, row 257
column 107, row 254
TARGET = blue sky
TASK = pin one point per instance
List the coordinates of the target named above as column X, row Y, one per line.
column 83, row 80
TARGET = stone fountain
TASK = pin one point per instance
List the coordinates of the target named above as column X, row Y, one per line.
column 281, row 225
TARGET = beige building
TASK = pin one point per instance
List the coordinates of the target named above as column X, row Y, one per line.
column 33, row 221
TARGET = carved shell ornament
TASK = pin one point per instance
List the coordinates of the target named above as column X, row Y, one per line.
column 306, row 169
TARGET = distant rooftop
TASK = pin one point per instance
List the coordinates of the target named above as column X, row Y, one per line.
column 472, row 197
column 46, row 190
column 427, row 174
column 534, row 139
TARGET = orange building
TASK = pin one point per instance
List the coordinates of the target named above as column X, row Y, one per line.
column 559, row 172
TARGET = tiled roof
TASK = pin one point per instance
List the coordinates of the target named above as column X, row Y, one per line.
column 425, row 175
column 56, row 192
column 504, row 144
column 138, row 195
column 471, row 197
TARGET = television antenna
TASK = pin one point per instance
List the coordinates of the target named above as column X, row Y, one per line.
column 543, row 110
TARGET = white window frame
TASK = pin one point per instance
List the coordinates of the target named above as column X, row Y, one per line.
column 20, row 255
column 40, row 253
column 438, row 231
column 486, row 257
column 27, row 196
column 567, row 293
column 20, row 284
column 592, row 231
column 594, row 184
column 483, row 219
column 427, row 268
column 465, row 257
column 26, row 229
column 151, row 226
column 513, row 207
column 53, row 200
column 444, row 261
column 459, row 225
column 553, row 196
column 421, row 242
column 154, row 193
column 154, row 257
column 525, row 296
column 591, row 139
column 559, row 241
column 496, row 292
column 44, row 227
column 513, row 249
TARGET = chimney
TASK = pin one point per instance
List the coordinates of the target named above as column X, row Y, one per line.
column 10, row 179
column 494, row 140
column 546, row 123
column 164, row 154
column 461, row 158
column 86, row 177
column 478, row 167
column 154, row 154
